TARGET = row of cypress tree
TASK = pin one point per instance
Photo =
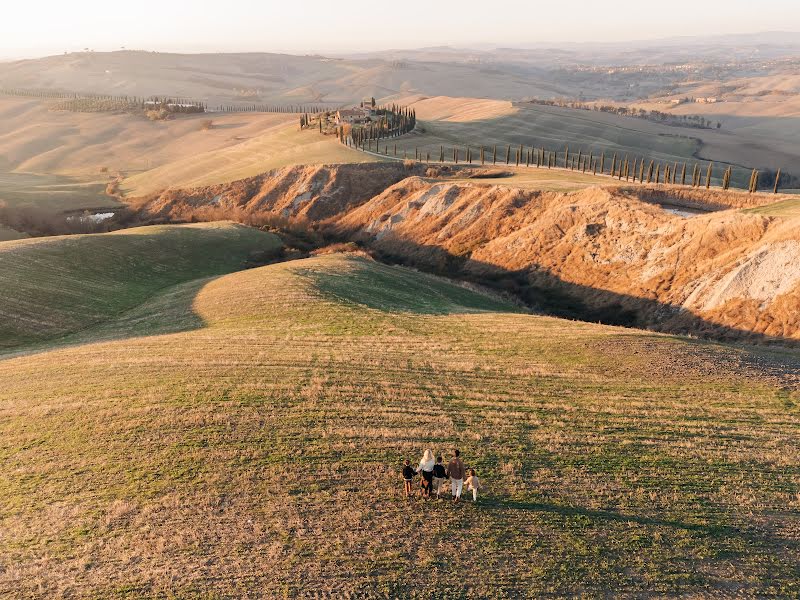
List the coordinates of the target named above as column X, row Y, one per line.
column 636, row 169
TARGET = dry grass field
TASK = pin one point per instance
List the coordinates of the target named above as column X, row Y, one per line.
column 278, row 147
column 52, row 193
column 442, row 124
column 242, row 437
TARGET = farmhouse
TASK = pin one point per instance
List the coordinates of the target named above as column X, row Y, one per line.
column 352, row 115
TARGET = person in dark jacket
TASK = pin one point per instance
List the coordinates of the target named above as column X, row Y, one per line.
column 439, row 476
column 408, row 476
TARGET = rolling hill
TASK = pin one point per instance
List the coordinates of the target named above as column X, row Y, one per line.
column 252, row 446
column 60, row 285
column 681, row 260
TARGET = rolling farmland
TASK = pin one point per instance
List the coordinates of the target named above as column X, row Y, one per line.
column 252, row 444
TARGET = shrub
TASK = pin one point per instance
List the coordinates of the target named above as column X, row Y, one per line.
column 206, row 124
column 161, row 114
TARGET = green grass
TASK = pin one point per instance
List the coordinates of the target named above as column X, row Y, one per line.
column 7, row 234
column 258, row 453
column 783, row 208
column 54, row 286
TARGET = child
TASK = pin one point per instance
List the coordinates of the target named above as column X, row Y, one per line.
column 474, row 484
column 408, row 476
column 439, row 475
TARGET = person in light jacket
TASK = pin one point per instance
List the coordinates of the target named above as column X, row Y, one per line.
column 425, row 469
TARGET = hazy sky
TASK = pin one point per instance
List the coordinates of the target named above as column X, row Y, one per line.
column 36, row 27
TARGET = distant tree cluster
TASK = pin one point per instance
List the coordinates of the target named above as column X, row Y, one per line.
column 85, row 102
column 78, row 102
column 695, row 121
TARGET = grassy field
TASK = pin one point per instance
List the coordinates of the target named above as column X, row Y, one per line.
column 57, row 285
column 784, row 208
column 7, row 234
column 52, row 193
column 242, row 437
column 589, row 131
column 279, row 147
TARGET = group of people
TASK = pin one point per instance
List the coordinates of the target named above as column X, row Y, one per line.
column 433, row 475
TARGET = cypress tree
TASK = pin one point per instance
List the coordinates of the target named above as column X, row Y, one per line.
column 494, row 156
column 683, row 174
column 483, row 157
column 602, row 163
column 441, row 154
column 777, row 180
column 614, row 165
column 708, row 175
column 658, row 173
column 508, row 155
column 650, row 172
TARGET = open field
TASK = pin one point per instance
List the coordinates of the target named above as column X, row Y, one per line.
column 52, row 193
column 280, row 147
column 58, row 285
column 7, row 234
column 61, row 161
column 784, row 208
column 555, row 180
column 591, row 131
column 35, row 139
column 271, row 78
column 257, row 452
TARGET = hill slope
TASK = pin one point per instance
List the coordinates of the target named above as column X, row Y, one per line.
column 612, row 254
column 260, row 454
column 54, row 286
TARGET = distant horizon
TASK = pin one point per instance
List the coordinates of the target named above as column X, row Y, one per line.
column 474, row 46
column 52, row 27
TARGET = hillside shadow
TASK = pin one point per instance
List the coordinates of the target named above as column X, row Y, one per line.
column 168, row 312
column 545, row 292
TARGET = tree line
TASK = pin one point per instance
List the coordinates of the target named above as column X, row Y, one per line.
column 270, row 108
column 694, row 121
column 631, row 169
column 89, row 102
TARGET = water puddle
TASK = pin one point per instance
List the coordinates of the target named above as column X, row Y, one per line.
column 682, row 211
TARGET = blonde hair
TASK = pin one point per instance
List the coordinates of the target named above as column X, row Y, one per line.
column 427, row 456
